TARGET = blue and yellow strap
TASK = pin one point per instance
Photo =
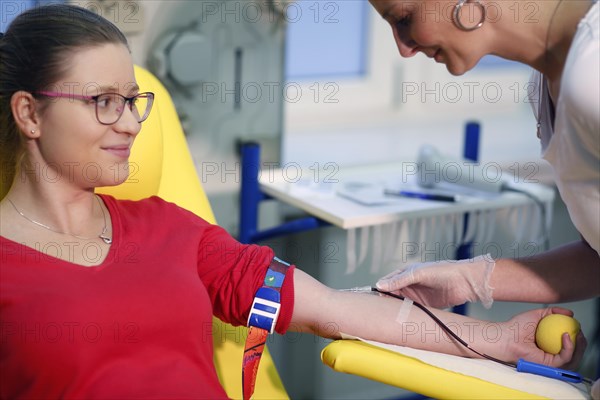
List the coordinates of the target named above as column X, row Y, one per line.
column 262, row 321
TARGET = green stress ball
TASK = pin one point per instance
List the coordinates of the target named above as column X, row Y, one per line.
column 550, row 330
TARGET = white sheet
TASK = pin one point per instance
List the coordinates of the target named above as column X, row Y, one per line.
column 493, row 372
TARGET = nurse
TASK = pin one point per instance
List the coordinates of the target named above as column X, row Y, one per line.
column 563, row 48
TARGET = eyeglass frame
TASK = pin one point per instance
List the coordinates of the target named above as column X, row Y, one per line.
column 148, row 95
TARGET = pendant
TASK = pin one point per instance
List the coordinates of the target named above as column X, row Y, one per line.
column 105, row 239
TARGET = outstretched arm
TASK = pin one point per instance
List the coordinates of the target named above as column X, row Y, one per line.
column 567, row 273
column 329, row 313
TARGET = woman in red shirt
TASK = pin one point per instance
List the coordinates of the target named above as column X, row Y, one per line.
column 103, row 298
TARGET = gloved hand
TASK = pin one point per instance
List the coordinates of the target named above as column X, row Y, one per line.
column 443, row 284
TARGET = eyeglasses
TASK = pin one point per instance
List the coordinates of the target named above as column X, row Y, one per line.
column 110, row 106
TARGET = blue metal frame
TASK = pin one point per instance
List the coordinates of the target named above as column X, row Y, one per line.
column 470, row 152
column 471, row 146
column 251, row 196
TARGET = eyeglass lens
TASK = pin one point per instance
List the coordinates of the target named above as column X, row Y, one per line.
column 110, row 107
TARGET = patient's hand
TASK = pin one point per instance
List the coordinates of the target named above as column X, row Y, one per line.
column 522, row 344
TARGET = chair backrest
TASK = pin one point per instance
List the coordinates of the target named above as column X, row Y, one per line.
column 161, row 165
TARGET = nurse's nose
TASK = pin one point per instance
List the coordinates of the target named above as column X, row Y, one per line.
column 406, row 46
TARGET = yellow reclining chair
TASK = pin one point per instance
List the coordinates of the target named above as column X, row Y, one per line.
column 162, row 165
column 442, row 376
column 362, row 359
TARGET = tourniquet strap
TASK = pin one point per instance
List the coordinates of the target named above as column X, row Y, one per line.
column 262, row 320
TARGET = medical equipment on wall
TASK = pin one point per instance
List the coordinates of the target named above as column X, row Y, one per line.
column 223, row 63
column 438, row 170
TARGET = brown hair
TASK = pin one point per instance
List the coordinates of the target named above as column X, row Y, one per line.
column 33, row 55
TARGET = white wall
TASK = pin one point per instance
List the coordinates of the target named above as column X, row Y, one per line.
column 403, row 103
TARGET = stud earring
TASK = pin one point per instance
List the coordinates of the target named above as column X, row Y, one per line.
column 33, row 131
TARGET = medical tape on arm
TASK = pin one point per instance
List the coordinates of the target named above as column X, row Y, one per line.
column 404, row 311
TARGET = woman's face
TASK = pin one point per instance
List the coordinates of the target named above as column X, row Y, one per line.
column 72, row 143
column 427, row 26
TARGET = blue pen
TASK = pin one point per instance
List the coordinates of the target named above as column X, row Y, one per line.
column 550, row 372
column 421, row 195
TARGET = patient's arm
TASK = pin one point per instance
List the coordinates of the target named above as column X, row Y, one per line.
column 327, row 312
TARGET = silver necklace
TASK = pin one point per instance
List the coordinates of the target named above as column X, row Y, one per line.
column 102, row 235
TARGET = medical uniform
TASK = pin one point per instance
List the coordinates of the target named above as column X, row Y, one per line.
column 570, row 130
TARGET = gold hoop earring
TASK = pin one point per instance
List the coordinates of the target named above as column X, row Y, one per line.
column 457, row 10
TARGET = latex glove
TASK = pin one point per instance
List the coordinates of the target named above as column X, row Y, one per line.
column 443, row 284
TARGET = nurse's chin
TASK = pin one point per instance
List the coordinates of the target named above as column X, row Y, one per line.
column 459, row 66
column 457, row 70
column 454, row 69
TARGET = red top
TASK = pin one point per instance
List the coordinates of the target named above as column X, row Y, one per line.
column 139, row 324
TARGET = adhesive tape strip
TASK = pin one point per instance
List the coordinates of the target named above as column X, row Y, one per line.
column 345, row 336
column 402, row 316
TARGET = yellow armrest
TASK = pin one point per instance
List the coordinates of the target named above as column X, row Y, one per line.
column 362, row 359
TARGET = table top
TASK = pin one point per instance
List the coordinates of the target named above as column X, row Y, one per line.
column 353, row 197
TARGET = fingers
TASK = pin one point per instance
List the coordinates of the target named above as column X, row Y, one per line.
column 568, row 347
column 396, row 280
column 389, row 285
column 566, row 357
column 580, row 346
column 560, row 310
column 571, row 353
column 392, row 274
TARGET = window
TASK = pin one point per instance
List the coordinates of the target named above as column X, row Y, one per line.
column 326, row 39
column 10, row 9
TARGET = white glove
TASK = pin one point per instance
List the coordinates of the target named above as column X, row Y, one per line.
column 443, row 284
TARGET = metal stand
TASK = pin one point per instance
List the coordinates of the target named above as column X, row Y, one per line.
column 251, row 196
